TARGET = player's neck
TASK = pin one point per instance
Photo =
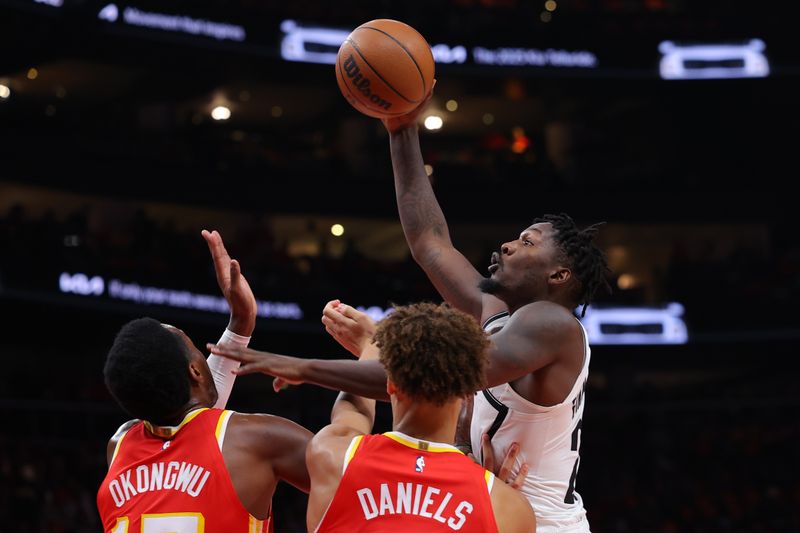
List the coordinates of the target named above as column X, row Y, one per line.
column 192, row 405
column 424, row 421
column 555, row 299
column 170, row 429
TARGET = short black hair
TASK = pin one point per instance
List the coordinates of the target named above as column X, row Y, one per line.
column 433, row 353
column 146, row 371
column 588, row 262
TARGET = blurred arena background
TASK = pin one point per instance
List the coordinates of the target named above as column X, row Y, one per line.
column 127, row 127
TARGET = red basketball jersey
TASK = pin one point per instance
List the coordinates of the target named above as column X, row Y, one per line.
column 175, row 483
column 396, row 483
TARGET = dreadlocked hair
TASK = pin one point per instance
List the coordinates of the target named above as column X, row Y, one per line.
column 433, row 353
column 588, row 262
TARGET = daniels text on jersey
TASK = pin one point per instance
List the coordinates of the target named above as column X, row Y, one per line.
column 415, row 499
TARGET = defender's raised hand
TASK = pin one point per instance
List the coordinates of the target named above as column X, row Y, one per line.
column 351, row 328
column 233, row 285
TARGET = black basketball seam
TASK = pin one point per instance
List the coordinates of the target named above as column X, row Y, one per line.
column 355, row 47
column 424, row 89
column 358, row 51
column 346, row 86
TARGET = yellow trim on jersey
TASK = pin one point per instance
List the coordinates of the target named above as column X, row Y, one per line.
column 351, row 451
column 256, row 525
column 489, row 477
column 167, row 432
column 421, row 444
column 222, row 427
column 121, row 526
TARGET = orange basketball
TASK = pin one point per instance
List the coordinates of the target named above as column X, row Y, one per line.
column 384, row 68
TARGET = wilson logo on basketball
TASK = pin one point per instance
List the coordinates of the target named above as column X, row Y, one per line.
column 361, row 83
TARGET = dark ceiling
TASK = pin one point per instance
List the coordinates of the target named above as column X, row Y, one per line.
column 127, row 114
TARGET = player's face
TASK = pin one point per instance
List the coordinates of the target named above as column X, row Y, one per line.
column 521, row 268
column 208, row 390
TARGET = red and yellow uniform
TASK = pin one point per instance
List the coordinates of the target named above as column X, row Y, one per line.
column 396, row 483
column 176, row 482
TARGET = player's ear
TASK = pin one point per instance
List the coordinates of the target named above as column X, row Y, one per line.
column 195, row 374
column 560, row 275
column 391, row 388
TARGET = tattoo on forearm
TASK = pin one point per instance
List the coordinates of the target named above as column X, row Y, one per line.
column 447, row 285
column 420, row 212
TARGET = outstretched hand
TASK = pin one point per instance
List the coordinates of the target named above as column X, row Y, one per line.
column 351, row 328
column 504, row 471
column 233, row 285
column 285, row 369
column 394, row 124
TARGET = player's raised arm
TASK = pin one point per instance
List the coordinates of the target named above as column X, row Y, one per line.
column 242, row 320
column 425, row 226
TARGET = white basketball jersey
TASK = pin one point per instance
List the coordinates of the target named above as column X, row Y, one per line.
column 549, row 439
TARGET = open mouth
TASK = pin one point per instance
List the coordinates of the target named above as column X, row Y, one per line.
column 494, row 266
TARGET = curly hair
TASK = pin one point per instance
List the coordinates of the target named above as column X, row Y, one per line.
column 588, row 262
column 146, row 371
column 433, row 352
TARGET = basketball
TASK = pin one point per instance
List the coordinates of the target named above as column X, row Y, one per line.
column 384, row 68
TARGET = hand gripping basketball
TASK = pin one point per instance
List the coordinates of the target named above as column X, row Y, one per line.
column 385, row 68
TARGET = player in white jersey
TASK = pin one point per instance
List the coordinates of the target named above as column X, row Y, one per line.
column 539, row 358
column 549, row 443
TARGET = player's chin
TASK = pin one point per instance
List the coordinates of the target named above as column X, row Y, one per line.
column 490, row 285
